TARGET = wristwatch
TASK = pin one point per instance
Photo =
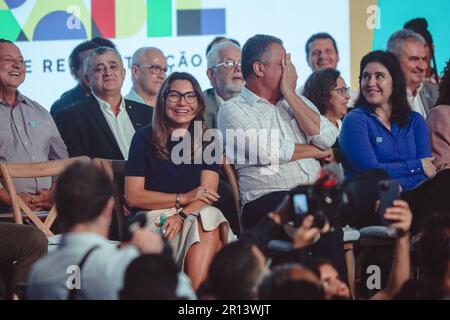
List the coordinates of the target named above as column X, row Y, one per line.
column 182, row 214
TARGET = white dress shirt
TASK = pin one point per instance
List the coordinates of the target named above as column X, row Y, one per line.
column 263, row 163
column 415, row 102
column 121, row 126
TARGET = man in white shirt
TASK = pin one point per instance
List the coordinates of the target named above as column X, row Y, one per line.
column 274, row 136
column 409, row 47
column 103, row 124
column 269, row 105
column 148, row 71
column 84, row 200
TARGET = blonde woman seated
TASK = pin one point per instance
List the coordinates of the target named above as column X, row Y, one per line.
column 183, row 192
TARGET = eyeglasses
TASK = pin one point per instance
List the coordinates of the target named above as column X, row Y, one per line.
column 175, row 96
column 154, row 68
column 229, row 64
column 342, row 90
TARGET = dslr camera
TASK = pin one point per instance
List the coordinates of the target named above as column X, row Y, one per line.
column 321, row 200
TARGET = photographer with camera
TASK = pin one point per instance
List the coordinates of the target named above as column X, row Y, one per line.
column 86, row 265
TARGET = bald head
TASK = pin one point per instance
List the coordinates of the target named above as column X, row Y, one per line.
column 148, row 71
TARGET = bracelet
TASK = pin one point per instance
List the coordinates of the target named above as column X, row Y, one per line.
column 177, row 201
column 182, row 214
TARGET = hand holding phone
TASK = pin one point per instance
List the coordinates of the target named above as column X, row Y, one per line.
column 389, row 190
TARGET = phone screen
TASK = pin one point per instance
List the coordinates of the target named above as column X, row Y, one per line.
column 300, row 204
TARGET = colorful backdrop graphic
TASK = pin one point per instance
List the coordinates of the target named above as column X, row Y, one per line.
column 71, row 19
column 391, row 16
column 46, row 31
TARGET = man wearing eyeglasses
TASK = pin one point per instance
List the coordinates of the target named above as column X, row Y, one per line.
column 224, row 73
column 148, row 71
column 103, row 124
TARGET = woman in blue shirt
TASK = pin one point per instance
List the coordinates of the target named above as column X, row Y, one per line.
column 382, row 132
column 165, row 176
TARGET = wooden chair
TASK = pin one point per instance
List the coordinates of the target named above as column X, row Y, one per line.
column 115, row 169
column 52, row 168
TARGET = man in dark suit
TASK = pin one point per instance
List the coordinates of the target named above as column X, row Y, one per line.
column 409, row 47
column 103, row 124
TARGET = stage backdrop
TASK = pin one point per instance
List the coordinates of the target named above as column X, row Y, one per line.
column 46, row 31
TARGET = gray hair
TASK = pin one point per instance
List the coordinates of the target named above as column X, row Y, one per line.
column 98, row 52
column 139, row 53
column 213, row 55
column 396, row 40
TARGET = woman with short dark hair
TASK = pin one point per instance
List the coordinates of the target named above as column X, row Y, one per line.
column 329, row 93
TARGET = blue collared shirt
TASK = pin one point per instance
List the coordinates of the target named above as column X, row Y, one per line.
column 368, row 144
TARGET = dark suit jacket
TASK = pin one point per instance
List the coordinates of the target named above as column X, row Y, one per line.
column 429, row 95
column 85, row 130
column 212, row 108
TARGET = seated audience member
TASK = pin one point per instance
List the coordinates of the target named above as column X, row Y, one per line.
column 27, row 131
column 322, row 53
column 269, row 112
column 291, row 282
column 409, row 48
column 439, row 123
column 419, row 289
column 434, row 252
column 84, row 200
column 161, row 179
column 103, row 42
column 150, row 277
column 235, row 272
column 384, row 133
column 329, row 93
column 81, row 90
column 102, row 125
column 335, row 288
column 148, row 71
column 218, row 40
column 400, row 215
column 20, row 247
column 420, row 26
column 238, row 269
column 225, row 75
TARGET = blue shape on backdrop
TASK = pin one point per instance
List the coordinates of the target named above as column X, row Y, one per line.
column 212, row 21
column 59, row 25
column 12, row 4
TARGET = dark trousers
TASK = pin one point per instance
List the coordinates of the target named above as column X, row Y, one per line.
column 430, row 197
column 23, row 245
column 226, row 205
column 362, row 192
column 330, row 245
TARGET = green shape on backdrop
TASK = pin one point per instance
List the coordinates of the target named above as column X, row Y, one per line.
column 189, row 4
column 159, row 18
column 9, row 27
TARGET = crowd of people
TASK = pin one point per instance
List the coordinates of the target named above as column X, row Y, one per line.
column 175, row 139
